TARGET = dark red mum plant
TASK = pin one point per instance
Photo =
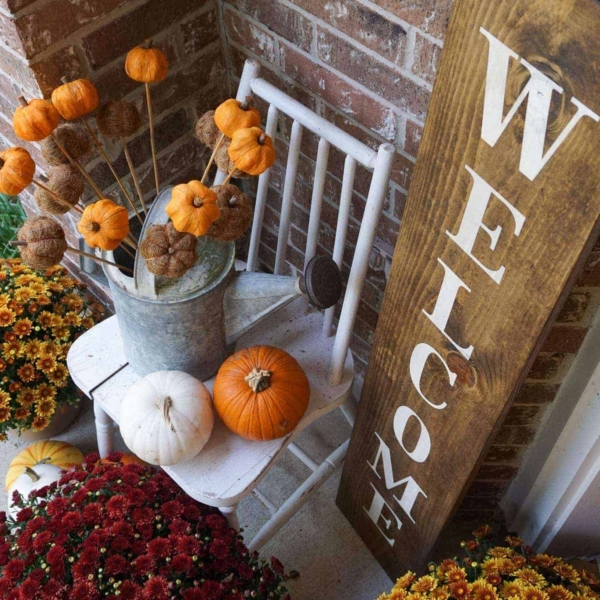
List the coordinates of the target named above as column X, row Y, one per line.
column 126, row 532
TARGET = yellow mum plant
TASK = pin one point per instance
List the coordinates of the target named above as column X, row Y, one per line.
column 490, row 572
column 41, row 315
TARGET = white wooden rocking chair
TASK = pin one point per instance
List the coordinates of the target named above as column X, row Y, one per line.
column 229, row 467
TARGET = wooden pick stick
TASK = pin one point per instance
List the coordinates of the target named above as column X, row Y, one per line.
column 229, row 176
column 122, row 246
column 81, row 253
column 57, row 197
column 129, row 240
column 107, row 161
column 212, row 157
column 98, row 259
column 134, row 176
column 152, row 146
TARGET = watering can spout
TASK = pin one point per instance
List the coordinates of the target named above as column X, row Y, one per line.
column 252, row 297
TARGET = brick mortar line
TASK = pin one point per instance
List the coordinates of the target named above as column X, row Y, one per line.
column 414, row 78
column 16, row 83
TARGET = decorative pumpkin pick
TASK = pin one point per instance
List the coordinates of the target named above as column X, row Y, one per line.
column 252, row 151
column 42, row 244
column 225, row 164
column 235, row 213
column 148, row 64
column 67, row 186
column 118, row 120
column 167, row 251
column 75, row 99
column 206, row 129
column 166, row 417
column 193, row 208
column 35, row 120
column 261, row 393
column 16, row 170
column 230, row 116
column 72, row 138
column 104, row 224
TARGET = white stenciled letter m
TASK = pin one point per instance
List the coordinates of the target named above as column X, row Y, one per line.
column 539, row 90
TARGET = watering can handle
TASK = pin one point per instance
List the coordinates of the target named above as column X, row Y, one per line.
column 322, row 282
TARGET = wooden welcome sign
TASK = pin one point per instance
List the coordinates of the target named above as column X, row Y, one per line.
column 503, row 208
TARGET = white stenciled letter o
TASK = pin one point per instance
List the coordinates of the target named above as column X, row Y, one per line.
column 423, row 446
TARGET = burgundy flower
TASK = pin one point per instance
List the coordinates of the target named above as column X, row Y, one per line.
column 187, row 544
column 143, row 516
column 24, row 514
column 57, row 506
column 116, row 564
column 179, row 527
column 14, row 569
column 212, row 590
column 217, row 522
column 192, row 513
column 130, row 591
column 277, row 565
column 120, row 543
column 171, row 510
column 79, row 497
column 55, row 555
column 159, row 547
column 157, row 588
column 92, row 514
column 219, row 549
column 143, row 564
column 41, row 541
column 84, row 590
column 114, row 457
column 71, row 521
column 182, row 563
column 95, row 485
column 117, row 507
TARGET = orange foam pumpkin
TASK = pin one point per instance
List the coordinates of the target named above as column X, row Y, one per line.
column 146, row 64
column 252, row 151
column 261, row 393
column 35, row 120
column 232, row 115
column 75, row 99
column 193, row 208
column 104, row 224
column 16, row 170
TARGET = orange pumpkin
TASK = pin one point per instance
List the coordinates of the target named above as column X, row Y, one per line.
column 261, row 393
column 232, row 115
column 193, row 208
column 75, row 99
column 146, row 64
column 104, row 224
column 16, row 170
column 126, row 459
column 35, row 120
column 252, row 150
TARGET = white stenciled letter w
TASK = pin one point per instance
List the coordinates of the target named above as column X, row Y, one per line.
column 539, row 90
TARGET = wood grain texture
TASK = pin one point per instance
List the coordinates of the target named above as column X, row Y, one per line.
column 505, row 323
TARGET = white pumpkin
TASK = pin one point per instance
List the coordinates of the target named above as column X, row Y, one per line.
column 166, row 417
column 32, row 478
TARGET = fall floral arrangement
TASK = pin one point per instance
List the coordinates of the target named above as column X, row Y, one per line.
column 239, row 147
column 126, row 532
column 491, row 572
column 41, row 314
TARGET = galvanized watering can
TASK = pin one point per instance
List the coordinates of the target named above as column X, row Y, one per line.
column 191, row 324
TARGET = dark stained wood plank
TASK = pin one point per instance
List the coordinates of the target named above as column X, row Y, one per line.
column 504, row 322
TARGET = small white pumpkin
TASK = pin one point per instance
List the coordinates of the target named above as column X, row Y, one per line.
column 166, row 417
column 32, row 478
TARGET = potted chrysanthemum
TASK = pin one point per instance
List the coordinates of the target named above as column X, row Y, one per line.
column 497, row 572
column 41, row 314
column 126, row 532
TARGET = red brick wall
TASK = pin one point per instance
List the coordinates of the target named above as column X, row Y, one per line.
column 368, row 66
column 44, row 40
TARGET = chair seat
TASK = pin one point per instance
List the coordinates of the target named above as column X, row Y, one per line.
column 228, row 467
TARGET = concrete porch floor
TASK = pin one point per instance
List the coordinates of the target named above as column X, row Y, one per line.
column 318, row 542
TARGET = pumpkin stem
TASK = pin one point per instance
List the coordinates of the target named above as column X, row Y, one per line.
column 166, row 404
column 147, row 44
column 262, row 139
column 29, row 471
column 17, row 243
column 64, row 79
column 93, row 227
column 247, row 103
column 232, row 202
column 258, row 379
column 22, row 101
column 198, row 202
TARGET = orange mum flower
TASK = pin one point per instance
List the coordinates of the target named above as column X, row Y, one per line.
column 45, row 391
column 531, row 577
column 26, row 372
column 45, row 408
column 532, row 593
column 567, row 572
column 545, row 561
column 558, row 592
column 4, row 398
column 483, row 532
column 21, row 413
column 4, row 414
column 7, row 317
column 460, row 589
column 405, row 581
column 455, row 574
column 511, row 589
column 514, row 541
column 40, row 423
column 424, row 584
column 23, row 327
column 46, row 363
column 27, row 397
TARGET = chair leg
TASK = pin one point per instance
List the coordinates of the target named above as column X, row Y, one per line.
column 293, row 504
column 230, row 513
column 104, row 431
